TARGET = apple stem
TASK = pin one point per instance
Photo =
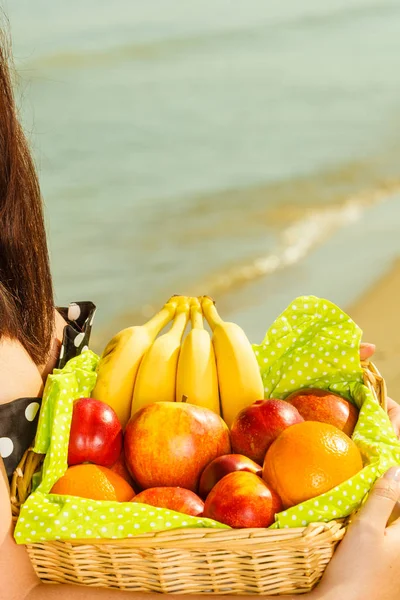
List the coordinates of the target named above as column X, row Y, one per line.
column 184, row 398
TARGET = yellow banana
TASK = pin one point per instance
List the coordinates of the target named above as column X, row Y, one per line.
column 197, row 371
column 119, row 363
column 156, row 379
column 239, row 377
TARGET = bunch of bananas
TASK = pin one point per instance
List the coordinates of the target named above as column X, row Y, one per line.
column 138, row 368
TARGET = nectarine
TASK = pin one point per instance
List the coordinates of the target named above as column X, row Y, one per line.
column 315, row 404
column 221, row 466
column 173, row 498
column 242, row 499
column 258, row 425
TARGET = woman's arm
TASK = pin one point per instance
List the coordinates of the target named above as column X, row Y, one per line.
column 65, row 592
column 17, row 575
column 367, row 563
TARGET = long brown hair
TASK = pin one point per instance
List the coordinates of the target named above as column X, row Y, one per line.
column 26, row 292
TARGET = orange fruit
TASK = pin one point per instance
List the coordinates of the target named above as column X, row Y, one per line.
column 93, row 482
column 309, row 459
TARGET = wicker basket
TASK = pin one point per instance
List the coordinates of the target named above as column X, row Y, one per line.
column 193, row 561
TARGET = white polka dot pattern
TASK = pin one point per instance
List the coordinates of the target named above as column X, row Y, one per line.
column 47, row 516
column 31, row 411
column 74, row 311
column 313, row 343
column 79, row 339
column 6, row 447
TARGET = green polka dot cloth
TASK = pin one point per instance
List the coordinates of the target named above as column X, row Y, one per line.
column 47, row 517
column 315, row 344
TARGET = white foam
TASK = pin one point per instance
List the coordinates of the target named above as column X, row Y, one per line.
column 296, row 242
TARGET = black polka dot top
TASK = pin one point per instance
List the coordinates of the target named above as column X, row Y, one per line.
column 19, row 419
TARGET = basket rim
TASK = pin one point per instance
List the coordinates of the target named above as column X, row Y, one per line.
column 247, row 537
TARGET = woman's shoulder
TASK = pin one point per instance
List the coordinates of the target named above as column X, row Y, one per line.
column 19, row 375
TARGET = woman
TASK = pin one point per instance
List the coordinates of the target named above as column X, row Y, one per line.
column 31, row 335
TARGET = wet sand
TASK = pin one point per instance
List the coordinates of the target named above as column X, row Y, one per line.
column 378, row 314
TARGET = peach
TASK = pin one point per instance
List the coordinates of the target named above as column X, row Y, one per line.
column 258, row 425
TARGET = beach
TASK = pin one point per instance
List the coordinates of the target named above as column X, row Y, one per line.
column 378, row 315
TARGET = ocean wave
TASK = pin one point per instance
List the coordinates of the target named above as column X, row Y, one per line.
column 296, row 241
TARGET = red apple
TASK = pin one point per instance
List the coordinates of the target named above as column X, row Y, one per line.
column 315, row 404
column 169, row 444
column 173, row 498
column 96, row 434
column 221, row 466
column 258, row 425
column 242, row 499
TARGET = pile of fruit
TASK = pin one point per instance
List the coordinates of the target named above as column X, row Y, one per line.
column 180, row 423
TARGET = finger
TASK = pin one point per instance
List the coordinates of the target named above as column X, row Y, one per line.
column 382, row 499
column 366, row 350
column 394, row 415
column 395, row 516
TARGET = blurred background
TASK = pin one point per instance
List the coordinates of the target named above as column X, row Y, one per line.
column 248, row 150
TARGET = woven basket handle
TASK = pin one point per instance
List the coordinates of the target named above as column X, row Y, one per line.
column 21, row 483
column 375, row 383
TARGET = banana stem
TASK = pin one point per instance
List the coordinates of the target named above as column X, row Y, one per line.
column 178, row 299
column 196, row 317
column 162, row 318
column 210, row 312
column 195, row 302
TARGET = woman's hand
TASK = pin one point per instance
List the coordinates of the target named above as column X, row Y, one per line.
column 367, row 562
column 366, row 565
column 366, row 352
column 394, row 415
